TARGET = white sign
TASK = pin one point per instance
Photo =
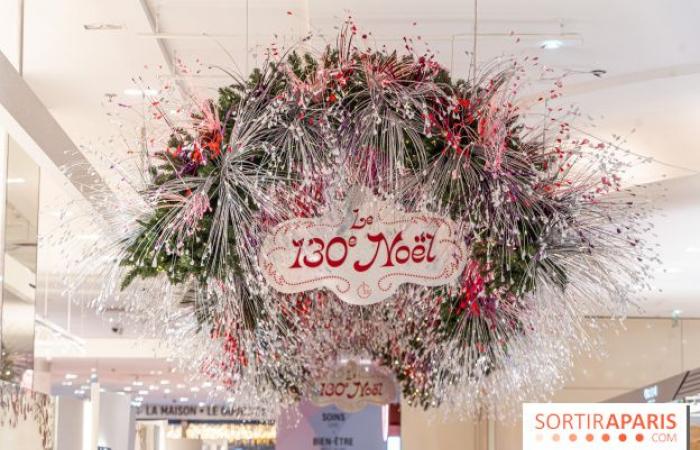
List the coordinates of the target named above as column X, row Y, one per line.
column 329, row 428
column 351, row 387
column 193, row 412
column 363, row 254
column 610, row 426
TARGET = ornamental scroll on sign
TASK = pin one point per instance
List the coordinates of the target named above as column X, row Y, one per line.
column 351, row 387
column 363, row 254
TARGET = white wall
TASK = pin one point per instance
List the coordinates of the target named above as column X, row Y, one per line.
column 116, row 422
column 421, row 430
column 10, row 30
column 69, row 423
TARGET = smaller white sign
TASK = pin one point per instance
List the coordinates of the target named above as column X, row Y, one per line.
column 351, row 387
column 610, row 426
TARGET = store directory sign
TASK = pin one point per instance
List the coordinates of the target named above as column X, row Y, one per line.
column 329, row 428
column 610, row 426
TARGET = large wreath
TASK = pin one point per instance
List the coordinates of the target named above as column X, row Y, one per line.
column 550, row 237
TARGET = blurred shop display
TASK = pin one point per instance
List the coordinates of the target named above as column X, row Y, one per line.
column 26, row 419
column 179, row 434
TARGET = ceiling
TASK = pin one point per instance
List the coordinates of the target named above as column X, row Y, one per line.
column 649, row 94
column 651, row 56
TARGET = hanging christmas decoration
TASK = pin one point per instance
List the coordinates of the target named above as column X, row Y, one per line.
column 364, row 202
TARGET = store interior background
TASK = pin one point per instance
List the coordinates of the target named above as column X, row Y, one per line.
column 63, row 60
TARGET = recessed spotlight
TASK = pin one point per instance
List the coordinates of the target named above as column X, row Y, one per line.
column 551, row 44
column 184, row 399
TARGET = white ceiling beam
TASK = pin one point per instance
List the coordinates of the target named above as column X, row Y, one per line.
column 163, row 47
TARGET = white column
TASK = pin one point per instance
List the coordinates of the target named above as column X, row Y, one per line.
column 69, row 423
column 93, row 421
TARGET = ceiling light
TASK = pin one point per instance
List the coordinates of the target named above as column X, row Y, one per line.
column 67, row 383
column 79, row 392
column 181, row 386
column 127, row 388
column 71, row 376
column 692, row 250
column 143, row 392
column 164, row 382
column 201, row 404
column 166, row 391
column 137, row 383
column 184, row 399
column 103, row 26
column 140, row 92
column 138, row 399
column 206, row 384
column 551, row 44
column 153, row 387
column 194, row 389
column 16, row 180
